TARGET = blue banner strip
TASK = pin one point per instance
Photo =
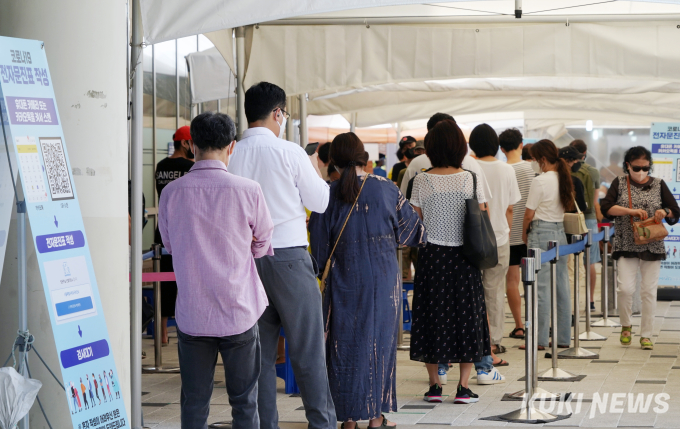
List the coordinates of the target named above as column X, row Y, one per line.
column 569, row 249
column 548, row 255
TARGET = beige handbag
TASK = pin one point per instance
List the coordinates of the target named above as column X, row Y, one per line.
column 575, row 223
column 327, row 268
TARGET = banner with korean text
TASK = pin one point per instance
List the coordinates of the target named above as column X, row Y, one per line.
column 665, row 140
column 33, row 130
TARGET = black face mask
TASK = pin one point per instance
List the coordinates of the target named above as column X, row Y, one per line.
column 190, row 154
column 576, row 167
column 410, row 153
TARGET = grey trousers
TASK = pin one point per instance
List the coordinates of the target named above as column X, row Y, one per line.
column 295, row 303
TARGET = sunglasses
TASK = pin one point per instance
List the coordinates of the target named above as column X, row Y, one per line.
column 637, row 168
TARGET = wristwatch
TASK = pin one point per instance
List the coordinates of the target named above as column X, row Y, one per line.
column 667, row 211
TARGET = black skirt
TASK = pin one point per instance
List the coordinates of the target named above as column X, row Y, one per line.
column 449, row 313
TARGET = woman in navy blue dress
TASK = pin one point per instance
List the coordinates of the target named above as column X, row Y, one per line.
column 361, row 299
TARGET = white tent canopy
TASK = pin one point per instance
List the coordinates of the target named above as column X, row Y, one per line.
column 617, row 71
column 166, row 20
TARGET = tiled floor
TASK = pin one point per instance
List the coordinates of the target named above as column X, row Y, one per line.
column 625, row 371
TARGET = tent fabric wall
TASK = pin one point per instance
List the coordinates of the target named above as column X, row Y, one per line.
column 213, row 80
column 306, row 59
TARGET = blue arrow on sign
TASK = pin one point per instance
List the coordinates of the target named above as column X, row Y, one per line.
column 56, row 222
column 80, row 332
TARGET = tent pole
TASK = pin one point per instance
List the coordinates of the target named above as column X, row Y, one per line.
column 240, row 74
column 137, row 217
column 353, row 124
column 290, row 126
column 176, row 85
column 153, row 121
column 304, row 138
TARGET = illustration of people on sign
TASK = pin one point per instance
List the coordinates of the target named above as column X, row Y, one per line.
column 84, row 390
column 89, row 390
column 668, row 252
column 67, row 270
column 108, row 387
column 76, row 398
column 96, row 388
column 675, row 250
column 101, row 384
column 116, row 388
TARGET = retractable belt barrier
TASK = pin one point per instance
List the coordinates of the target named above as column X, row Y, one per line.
column 570, row 249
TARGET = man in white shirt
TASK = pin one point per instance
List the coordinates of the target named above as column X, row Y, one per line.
column 289, row 182
column 503, row 182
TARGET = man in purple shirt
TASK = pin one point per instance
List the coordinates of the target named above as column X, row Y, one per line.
column 215, row 224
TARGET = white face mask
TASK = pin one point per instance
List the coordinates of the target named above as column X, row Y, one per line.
column 640, row 176
column 282, row 127
column 536, row 167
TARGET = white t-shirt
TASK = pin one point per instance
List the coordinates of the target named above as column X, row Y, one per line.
column 442, row 201
column 505, row 190
column 544, row 197
column 422, row 162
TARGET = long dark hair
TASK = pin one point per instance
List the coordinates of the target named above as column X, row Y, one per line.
column 545, row 149
column 347, row 152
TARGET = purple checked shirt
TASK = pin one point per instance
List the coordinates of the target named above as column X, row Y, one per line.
column 207, row 220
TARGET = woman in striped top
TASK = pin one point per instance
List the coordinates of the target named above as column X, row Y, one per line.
column 511, row 145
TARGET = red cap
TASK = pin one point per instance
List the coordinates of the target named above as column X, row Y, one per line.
column 182, row 133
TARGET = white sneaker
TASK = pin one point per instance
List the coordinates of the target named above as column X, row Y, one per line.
column 442, row 376
column 491, row 377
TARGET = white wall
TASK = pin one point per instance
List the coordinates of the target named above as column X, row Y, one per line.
column 85, row 43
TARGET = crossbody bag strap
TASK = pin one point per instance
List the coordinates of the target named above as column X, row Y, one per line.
column 630, row 201
column 347, row 219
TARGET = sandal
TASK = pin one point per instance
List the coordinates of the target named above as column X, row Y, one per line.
column 625, row 339
column 514, row 333
column 499, row 349
column 382, row 425
column 646, row 344
column 503, row 362
column 523, row 347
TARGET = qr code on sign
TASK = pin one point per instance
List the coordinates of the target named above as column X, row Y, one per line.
column 56, row 169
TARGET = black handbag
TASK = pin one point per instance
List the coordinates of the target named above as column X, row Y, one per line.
column 479, row 240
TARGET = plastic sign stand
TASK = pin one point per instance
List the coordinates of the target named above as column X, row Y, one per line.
column 34, row 130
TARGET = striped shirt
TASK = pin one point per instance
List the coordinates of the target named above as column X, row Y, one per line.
column 525, row 174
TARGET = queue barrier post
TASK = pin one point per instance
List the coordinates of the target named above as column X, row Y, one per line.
column 532, row 329
column 158, row 324
column 589, row 335
column 400, row 320
column 527, row 413
column 576, row 352
column 605, row 321
column 555, row 373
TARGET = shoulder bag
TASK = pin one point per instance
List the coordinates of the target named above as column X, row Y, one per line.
column 479, row 240
column 575, row 223
column 645, row 231
column 327, row 268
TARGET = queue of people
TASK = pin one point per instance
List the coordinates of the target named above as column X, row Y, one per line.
column 236, row 226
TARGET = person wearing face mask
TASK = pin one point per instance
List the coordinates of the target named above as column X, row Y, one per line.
column 217, row 225
column 290, row 182
column 581, row 182
column 650, row 198
column 168, row 169
column 406, row 143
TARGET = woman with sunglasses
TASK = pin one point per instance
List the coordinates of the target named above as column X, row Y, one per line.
column 650, row 198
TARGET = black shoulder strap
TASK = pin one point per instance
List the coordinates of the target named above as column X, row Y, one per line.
column 409, row 188
column 474, row 184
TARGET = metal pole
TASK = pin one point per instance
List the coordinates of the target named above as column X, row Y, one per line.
column 158, row 320
column 22, row 292
column 589, row 335
column 527, row 412
column 177, row 100
column 615, row 280
column 605, row 321
column 137, row 219
column 353, row 124
column 304, row 138
column 153, row 123
column 240, row 73
column 219, row 106
column 290, row 126
column 577, row 352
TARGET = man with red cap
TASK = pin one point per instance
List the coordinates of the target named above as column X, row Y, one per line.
column 173, row 167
